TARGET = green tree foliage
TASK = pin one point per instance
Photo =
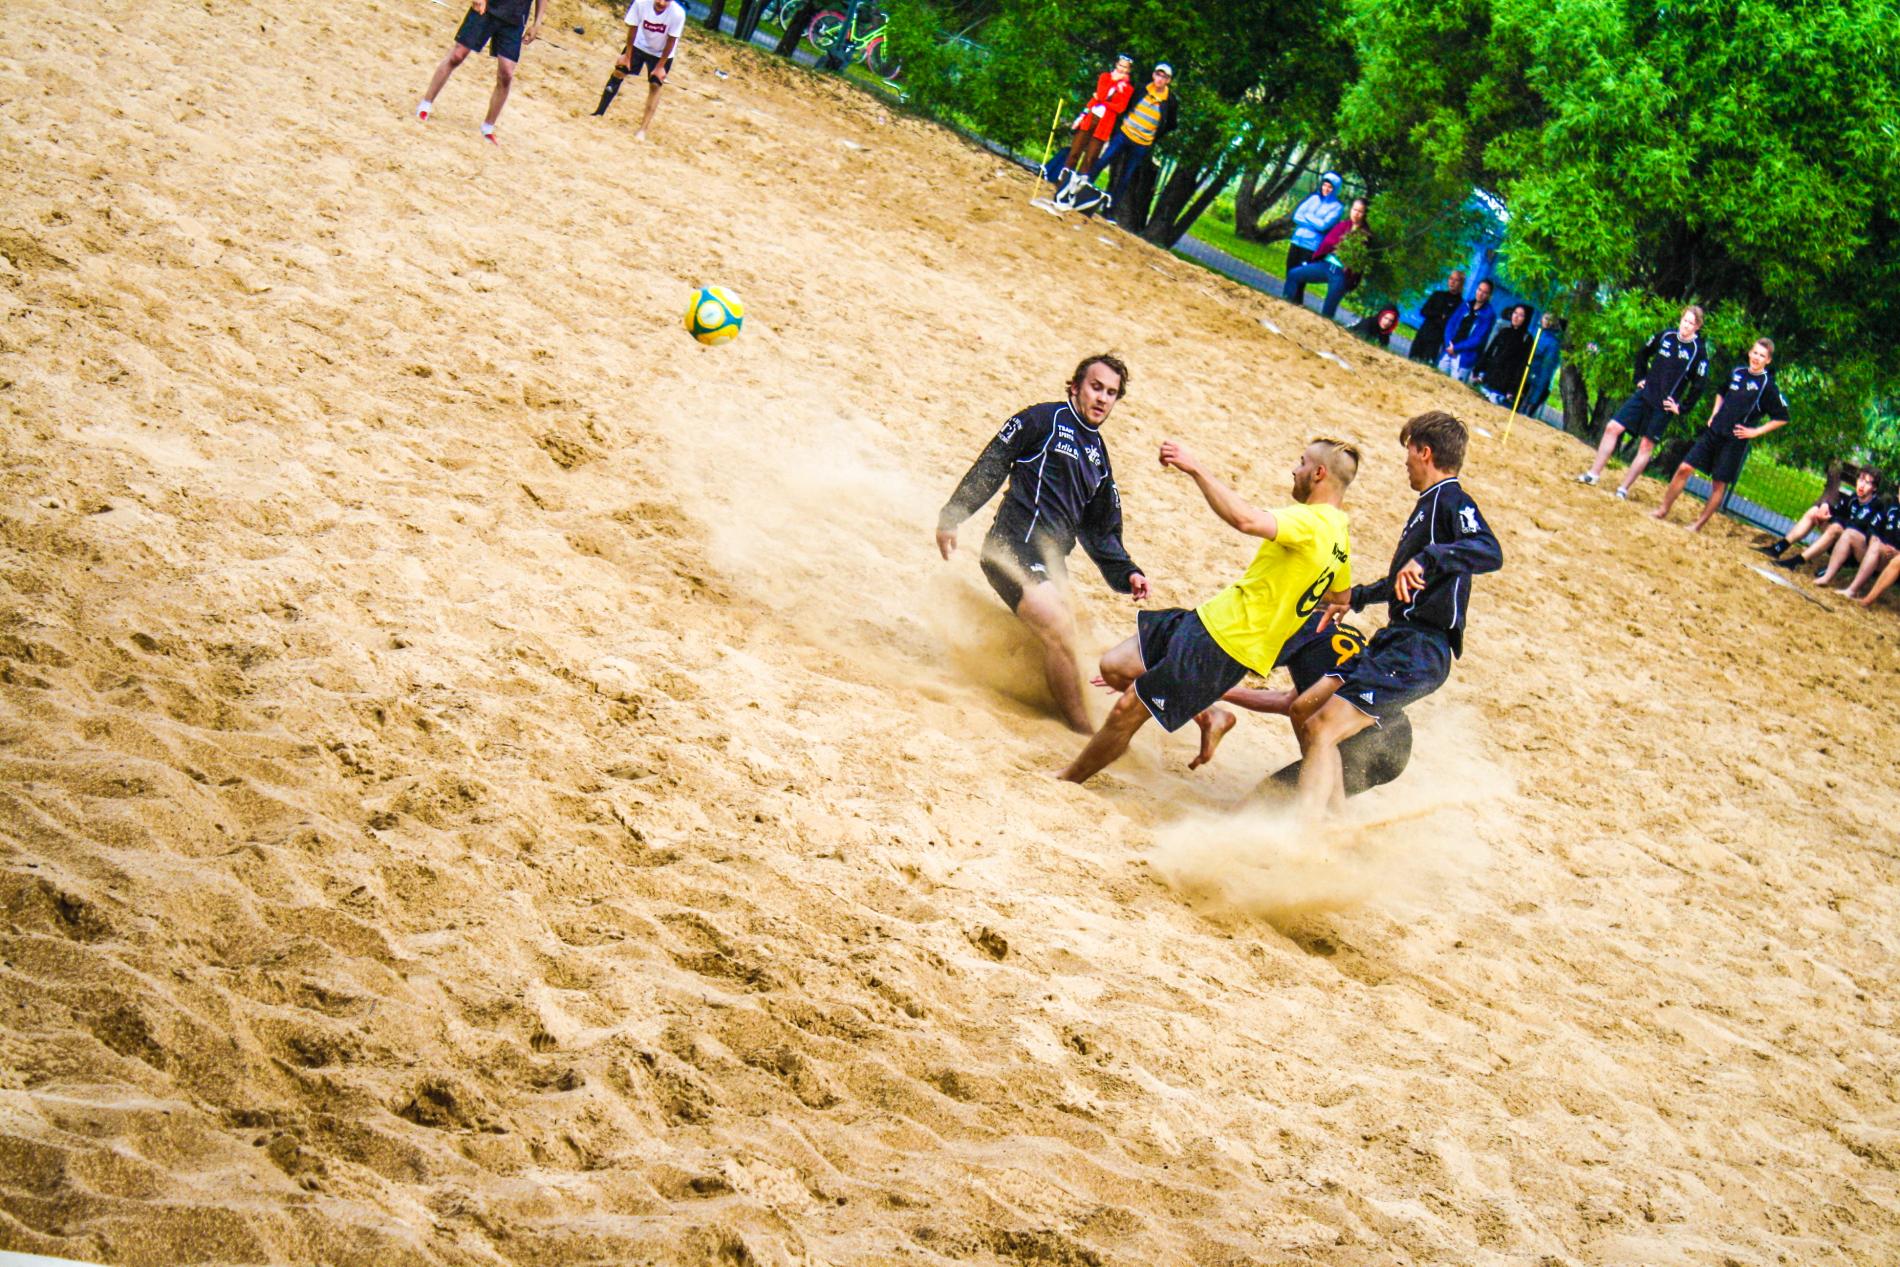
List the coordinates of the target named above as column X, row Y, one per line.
column 1736, row 153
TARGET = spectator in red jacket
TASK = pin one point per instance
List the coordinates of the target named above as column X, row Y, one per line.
column 1096, row 124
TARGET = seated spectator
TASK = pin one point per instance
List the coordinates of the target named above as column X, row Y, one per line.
column 1880, row 552
column 1842, row 511
column 1325, row 265
column 1502, row 366
column 1469, row 327
column 1317, row 213
column 1378, row 327
column 1432, row 316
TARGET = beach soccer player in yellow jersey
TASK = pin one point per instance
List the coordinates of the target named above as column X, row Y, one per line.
column 1180, row 663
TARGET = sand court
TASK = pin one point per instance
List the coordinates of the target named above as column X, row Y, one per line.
column 486, row 780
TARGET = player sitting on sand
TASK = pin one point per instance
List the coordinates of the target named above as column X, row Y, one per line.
column 1061, row 490
column 1427, row 591
column 653, row 32
column 1719, row 452
column 1883, row 547
column 1371, row 758
column 1846, row 521
column 495, row 25
column 1180, row 663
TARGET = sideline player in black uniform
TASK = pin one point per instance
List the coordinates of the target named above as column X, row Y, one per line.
column 1677, row 366
column 1719, row 452
column 1882, row 547
column 1061, row 490
column 1427, row 591
column 1842, row 515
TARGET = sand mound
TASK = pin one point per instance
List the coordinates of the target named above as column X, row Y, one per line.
column 483, row 779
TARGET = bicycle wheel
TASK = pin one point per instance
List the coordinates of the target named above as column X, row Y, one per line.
column 883, row 62
column 826, row 29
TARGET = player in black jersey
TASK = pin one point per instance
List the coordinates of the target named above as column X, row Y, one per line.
column 1061, row 491
column 1846, row 521
column 1369, row 759
column 1671, row 370
column 1750, row 392
column 1883, row 547
column 1427, row 592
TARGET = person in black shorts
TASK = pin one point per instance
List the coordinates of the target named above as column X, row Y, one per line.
column 1373, row 757
column 653, row 33
column 1882, row 547
column 1061, row 491
column 1844, row 516
column 1426, row 590
column 1671, row 370
column 501, row 27
column 1750, row 393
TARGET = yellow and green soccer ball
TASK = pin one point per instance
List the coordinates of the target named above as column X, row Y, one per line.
column 715, row 315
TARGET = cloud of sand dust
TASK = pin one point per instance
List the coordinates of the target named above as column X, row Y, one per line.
column 1411, row 843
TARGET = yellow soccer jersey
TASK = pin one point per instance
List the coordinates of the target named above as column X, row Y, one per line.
column 1309, row 556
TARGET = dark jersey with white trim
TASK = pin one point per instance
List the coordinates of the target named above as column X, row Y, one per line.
column 1677, row 369
column 1862, row 516
column 1746, row 397
column 1886, row 525
column 1451, row 541
column 1061, row 489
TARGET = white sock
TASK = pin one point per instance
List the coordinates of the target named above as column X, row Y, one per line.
column 488, row 129
column 425, row 107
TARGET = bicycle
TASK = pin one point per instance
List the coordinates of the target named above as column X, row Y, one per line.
column 841, row 37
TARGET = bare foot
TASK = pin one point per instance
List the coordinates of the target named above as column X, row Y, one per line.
column 1847, row 590
column 1824, row 580
column 1659, row 513
column 1214, row 724
column 1866, row 602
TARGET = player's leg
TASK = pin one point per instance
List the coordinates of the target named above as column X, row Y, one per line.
column 1112, row 740
column 1045, row 609
column 1852, row 544
column 1308, row 703
column 1322, row 775
column 1717, row 490
column 504, row 80
column 1888, row 576
column 1873, row 556
column 1799, row 532
column 457, row 54
column 1676, row 484
column 615, row 78
column 653, row 106
column 1214, row 724
column 1645, row 449
column 1122, row 663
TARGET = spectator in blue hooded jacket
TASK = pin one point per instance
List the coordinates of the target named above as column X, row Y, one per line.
column 1316, row 213
column 1465, row 334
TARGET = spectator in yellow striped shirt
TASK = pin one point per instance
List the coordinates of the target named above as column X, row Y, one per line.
column 1147, row 121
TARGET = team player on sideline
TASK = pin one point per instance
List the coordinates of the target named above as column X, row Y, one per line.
column 1881, row 549
column 1749, row 393
column 653, row 32
column 1846, row 521
column 1061, row 490
column 495, row 25
column 1427, row 591
column 1678, row 362
column 1180, row 663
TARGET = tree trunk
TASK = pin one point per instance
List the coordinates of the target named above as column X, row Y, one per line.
column 716, row 15
column 795, row 28
column 1261, row 189
column 1576, row 401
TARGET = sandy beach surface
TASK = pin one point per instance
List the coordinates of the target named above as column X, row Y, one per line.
column 484, row 779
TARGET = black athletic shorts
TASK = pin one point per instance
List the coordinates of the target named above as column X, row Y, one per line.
column 1372, row 758
column 480, row 31
column 1642, row 419
column 644, row 62
column 1401, row 664
column 1186, row 670
column 1717, row 456
column 1011, row 566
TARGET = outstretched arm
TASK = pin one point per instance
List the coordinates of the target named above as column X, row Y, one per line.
column 1226, row 503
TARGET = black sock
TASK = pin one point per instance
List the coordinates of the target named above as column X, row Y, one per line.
column 607, row 94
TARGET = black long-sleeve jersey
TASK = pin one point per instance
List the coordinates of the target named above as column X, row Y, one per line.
column 1670, row 366
column 1061, row 489
column 1451, row 541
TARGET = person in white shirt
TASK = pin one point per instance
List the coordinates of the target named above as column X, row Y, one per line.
column 653, row 32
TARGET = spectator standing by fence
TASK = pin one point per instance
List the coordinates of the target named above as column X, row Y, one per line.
column 1317, row 213
column 1670, row 370
column 1096, row 124
column 1466, row 334
column 1502, row 366
column 1429, row 344
column 1149, row 119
